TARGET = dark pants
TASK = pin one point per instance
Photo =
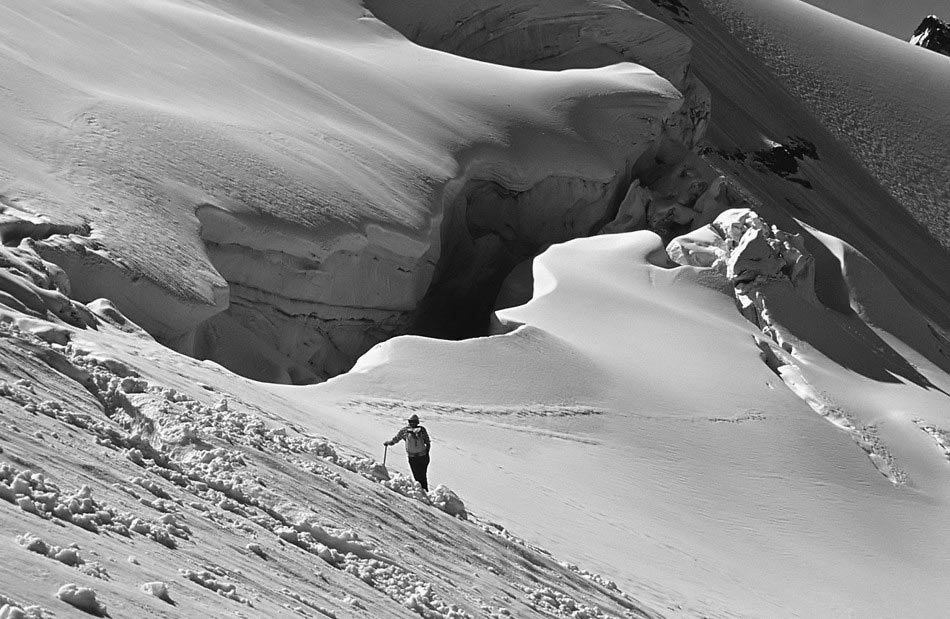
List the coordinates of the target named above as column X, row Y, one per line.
column 419, row 464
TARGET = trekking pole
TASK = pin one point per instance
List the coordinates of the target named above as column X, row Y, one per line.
column 385, row 453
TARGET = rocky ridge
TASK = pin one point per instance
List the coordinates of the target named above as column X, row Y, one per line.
column 932, row 34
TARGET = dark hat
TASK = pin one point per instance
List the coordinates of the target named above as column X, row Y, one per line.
column 414, row 419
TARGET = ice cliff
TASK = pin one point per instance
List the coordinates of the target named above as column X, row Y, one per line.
column 753, row 256
column 933, row 34
column 282, row 229
column 811, row 293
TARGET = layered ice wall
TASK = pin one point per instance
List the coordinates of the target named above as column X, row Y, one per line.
column 503, row 208
column 279, row 189
column 306, row 305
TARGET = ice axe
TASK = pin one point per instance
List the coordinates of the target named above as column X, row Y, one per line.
column 385, row 453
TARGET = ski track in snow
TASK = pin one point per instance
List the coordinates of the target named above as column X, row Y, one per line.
column 482, row 414
column 197, row 465
column 528, row 410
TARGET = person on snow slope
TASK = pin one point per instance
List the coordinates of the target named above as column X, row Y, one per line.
column 417, row 448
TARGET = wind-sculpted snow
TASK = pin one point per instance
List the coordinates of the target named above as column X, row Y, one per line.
column 702, row 424
column 773, row 275
column 556, row 35
column 278, row 189
column 278, row 185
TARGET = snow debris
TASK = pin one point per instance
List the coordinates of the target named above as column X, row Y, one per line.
column 96, row 570
column 151, row 486
column 35, row 495
column 548, row 600
column 205, row 450
column 82, row 598
column 69, row 555
column 207, row 580
column 11, row 610
column 257, row 549
column 940, row 437
column 296, row 596
column 158, row 589
column 406, row 486
column 449, row 502
column 597, row 578
column 404, row 587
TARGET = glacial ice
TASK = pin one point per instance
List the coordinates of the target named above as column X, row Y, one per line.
column 284, row 245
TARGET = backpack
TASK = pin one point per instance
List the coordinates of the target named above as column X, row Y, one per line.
column 415, row 446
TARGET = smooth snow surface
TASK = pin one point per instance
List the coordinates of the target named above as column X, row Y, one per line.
column 692, row 446
column 897, row 19
column 732, row 399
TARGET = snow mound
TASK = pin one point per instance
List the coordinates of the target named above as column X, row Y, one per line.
column 449, row 502
column 82, row 598
column 158, row 589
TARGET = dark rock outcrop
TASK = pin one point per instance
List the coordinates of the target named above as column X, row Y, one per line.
column 933, row 34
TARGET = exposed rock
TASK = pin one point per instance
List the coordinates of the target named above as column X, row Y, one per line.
column 933, row 34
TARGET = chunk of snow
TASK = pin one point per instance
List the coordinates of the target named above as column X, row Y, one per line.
column 82, row 598
column 157, row 589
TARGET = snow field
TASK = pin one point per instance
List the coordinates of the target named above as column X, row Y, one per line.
column 752, row 473
column 654, row 422
column 191, row 470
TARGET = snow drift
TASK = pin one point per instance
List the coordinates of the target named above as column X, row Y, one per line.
column 738, row 409
column 249, row 193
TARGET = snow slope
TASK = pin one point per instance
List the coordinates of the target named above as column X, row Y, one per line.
column 826, row 185
column 137, row 482
column 734, row 496
column 750, row 421
column 899, row 135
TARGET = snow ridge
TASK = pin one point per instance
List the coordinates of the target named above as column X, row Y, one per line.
column 773, row 277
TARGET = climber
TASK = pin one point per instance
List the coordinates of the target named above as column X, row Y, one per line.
column 417, row 448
